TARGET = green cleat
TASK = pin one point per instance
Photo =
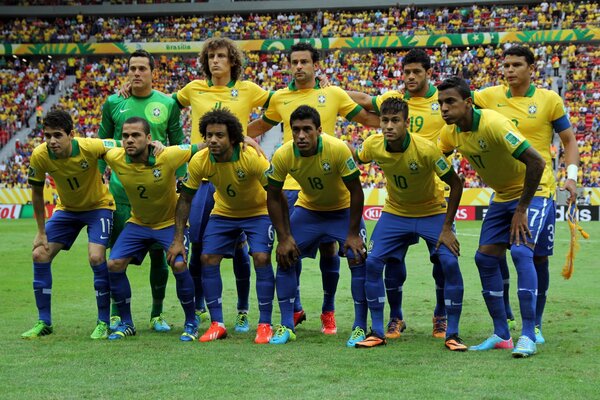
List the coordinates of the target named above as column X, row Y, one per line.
column 201, row 316
column 101, row 331
column 512, row 324
column 241, row 322
column 39, row 329
column 358, row 335
column 159, row 324
column 115, row 320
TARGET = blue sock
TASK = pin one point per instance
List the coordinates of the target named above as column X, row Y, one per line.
column 285, row 282
column 241, row 270
column 297, row 302
column 265, row 291
column 185, row 293
column 453, row 291
column 121, row 293
column 506, row 280
column 375, row 293
column 102, row 287
column 357, row 286
column 42, row 290
column 213, row 289
column 438, row 276
column 491, row 284
column 543, row 276
column 527, row 287
column 196, row 272
column 395, row 276
column 330, row 275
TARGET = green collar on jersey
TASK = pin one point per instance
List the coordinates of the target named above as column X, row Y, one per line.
column 229, row 85
column 292, row 85
column 319, row 147
column 74, row 150
column 529, row 92
column 234, row 157
column 405, row 143
column 151, row 158
column 430, row 92
column 475, row 123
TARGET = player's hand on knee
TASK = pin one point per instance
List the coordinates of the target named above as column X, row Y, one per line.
column 519, row 228
column 287, row 253
column 355, row 244
column 41, row 240
column 448, row 239
column 176, row 249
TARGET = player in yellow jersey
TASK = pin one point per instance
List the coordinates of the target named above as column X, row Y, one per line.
column 240, row 206
column 538, row 113
column 415, row 207
column 149, row 183
column 425, row 120
column 330, row 102
column 328, row 209
column 83, row 201
column 508, row 164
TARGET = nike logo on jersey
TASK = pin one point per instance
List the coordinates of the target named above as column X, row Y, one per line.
column 210, row 176
column 201, row 92
column 285, row 103
column 103, row 237
column 501, row 105
column 293, row 169
column 122, row 111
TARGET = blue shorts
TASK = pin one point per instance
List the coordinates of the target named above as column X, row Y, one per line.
column 393, row 233
column 64, row 226
column 135, row 241
column 292, row 197
column 495, row 228
column 311, row 228
column 201, row 207
column 222, row 233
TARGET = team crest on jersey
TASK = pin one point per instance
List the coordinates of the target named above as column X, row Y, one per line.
column 240, row 173
column 156, row 113
column 84, row 164
column 413, row 166
column 482, row 144
column 156, row 172
column 326, row 166
column 31, row 172
column 532, row 109
column 321, row 99
column 435, row 106
column 370, row 246
column 234, row 93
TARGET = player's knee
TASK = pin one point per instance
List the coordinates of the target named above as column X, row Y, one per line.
column 96, row 258
column 327, row 249
column 210, row 259
column 179, row 266
column 375, row 268
column 522, row 257
column 41, row 255
column 261, row 259
column 116, row 265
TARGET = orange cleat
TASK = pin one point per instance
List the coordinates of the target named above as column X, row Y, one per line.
column 440, row 324
column 395, row 328
column 215, row 331
column 328, row 326
column 264, row 332
column 299, row 317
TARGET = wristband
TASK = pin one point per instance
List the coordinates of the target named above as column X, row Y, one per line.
column 572, row 172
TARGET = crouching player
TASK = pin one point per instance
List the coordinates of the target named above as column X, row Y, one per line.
column 240, row 206
column 415, row 207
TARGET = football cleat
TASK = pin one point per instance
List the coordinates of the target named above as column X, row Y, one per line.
column 299, row 317
column 440, row 324
column 283, row 335
column 357, row 335
column 455, row 343
column 39, row 329
column 122, row 331
column 216, row 331
column 241, row 322
column 525, row 347
column 512, row 324
column 115, row 320
column 201, row 316
column 101, row 331
column 395, row 328
column 494, row 342
column 539, row 338
column 264, row 333
column 372, row 340
column 159, row 324
column 190, row 333
column 328, row 326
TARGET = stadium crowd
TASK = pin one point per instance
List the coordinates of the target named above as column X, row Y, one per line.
column 406, row 20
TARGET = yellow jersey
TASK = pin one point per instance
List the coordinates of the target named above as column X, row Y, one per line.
column 492, row 146
column 78, row 181
column 150, row 186
column 239, row 183
column 240, row 97
column 413, row 190
column 321, row 176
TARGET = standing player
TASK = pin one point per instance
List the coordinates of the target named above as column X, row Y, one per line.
column 240, row 206
column 425, row 120
column 508, row 164
column 83, row 201
column 330, row 102
column 221, row 62
column 163, row 115
column 329, row 208
column 149, row 183
column 415, row 207
column 537, row 113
